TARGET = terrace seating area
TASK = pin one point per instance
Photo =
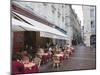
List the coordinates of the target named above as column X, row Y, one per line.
column 25, row 62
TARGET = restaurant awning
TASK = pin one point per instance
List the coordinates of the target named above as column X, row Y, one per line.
column 37, row 26
column 49, row 35
column 21, row 26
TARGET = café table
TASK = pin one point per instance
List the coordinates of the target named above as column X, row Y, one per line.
column 30, row 68
column 45, row 57
column 61, row 56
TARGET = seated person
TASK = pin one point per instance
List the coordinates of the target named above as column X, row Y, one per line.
column 53, row 51
column 69, row 51
column 62, row 55
column 37, row 60
column 40, row 52
column 50, row 49
column 66, row 54
column 23, row 53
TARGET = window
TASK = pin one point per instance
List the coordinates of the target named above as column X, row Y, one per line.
column 66, row 24
column 53, row 9
column 45, row 4
column 62, row 6
column 59, row 14
column 82, row 27
column 84, row 38
column 62, row 19
column 92, row 12
column 92, row 24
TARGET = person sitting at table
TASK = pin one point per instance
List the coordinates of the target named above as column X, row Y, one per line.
column 50, row 51
column 57, row 51
column 23, row 53
column 40, row 52
column 60, row 50
column 37, row 60
column 72, row 48
column 56, row 61
column 45, row 56
column 62, row 53
column 69, row 51
column 53, row 50
column 66, row 54
column 29, row 66
column 50, row 54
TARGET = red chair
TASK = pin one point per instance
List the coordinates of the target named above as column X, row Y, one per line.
column 17, row 68
column 44, row 58
column 61, row 58
column 48, row 56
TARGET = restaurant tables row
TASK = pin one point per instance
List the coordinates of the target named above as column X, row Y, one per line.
column 19, row 68
column 48, row 56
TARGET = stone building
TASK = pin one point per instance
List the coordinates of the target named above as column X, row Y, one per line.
column 50, row 23
column 89, row 22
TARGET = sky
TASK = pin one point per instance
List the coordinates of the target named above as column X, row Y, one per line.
column 79, row 12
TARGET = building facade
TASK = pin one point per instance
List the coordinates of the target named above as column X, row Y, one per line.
column 57, row 16
column 89, row 22
column 75, row 27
